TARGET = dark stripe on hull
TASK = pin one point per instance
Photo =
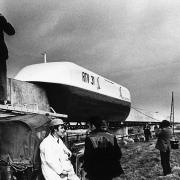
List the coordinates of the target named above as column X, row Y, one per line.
column 80, row 104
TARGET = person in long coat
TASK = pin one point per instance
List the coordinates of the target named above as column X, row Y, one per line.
column 163, row 145
column 102, row 153
column 55, row 156
column 147, row 133
column 5, row 27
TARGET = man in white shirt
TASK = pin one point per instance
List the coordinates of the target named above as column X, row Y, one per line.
column 55, row 156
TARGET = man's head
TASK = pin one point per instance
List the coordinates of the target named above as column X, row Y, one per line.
column 98, row 123
column 57, row 127
column 165, row 124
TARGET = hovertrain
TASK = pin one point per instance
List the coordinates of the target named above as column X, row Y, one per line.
column 78, row 92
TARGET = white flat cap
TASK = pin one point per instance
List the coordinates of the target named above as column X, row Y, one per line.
column 56, row 121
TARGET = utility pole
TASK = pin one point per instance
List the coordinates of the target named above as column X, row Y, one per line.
column 174, row 142
column 172, row 112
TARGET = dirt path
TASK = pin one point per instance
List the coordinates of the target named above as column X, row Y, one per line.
column 141, row 161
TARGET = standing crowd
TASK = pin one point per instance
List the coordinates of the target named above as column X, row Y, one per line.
column 102, row 154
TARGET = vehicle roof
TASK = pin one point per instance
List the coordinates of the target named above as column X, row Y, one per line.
column 33, row 121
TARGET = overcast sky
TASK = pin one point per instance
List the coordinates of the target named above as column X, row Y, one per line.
column 134, row 43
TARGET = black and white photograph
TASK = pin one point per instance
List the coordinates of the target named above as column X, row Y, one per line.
column 89, row 89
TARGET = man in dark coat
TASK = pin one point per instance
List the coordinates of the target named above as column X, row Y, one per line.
column 102, row 154
column 147, row 133
column 163, row 144
column 5, row 27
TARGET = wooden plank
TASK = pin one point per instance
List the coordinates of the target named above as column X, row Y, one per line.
column 9, row 109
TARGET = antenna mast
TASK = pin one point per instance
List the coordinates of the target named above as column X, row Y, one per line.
column 44, row 57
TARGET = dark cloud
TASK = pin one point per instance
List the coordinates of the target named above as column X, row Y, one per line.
column 134, row 43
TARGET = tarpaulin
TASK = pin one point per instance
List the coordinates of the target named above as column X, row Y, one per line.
column 20, row 137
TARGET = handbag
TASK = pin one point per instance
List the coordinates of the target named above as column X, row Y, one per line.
column 174, row 144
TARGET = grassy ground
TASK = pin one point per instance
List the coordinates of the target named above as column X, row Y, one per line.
column 141, row 161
